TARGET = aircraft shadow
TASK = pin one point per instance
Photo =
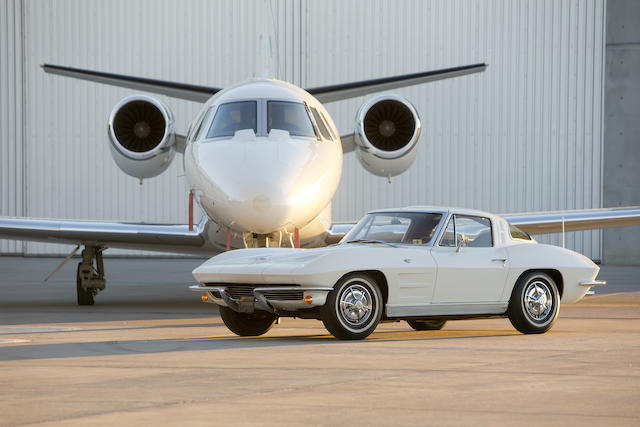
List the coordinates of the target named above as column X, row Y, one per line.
column 131, row 347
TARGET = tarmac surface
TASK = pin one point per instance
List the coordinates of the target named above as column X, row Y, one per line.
column 149, row 352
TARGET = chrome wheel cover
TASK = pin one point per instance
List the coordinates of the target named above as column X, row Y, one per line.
column 538, row 300
column 356, row 305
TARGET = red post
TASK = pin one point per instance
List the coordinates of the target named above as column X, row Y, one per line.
column 191, row 210
column 228, row 239
column 296, row 238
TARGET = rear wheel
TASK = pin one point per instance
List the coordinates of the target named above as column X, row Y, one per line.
column 427, row 325
column 354, row 307
column 85, row 295
column 534, row 304
column 245, row 324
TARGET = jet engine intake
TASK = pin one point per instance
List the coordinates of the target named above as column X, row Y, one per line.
column 142, row 136
column 387, row 134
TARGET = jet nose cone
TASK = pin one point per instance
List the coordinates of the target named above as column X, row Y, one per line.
column 262, row 185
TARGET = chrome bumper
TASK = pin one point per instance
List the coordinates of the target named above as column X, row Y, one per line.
column 593, row 283
column 262, row 301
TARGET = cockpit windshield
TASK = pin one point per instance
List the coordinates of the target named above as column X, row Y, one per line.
column 412, row 228
column 232, row 117
column 289, row 116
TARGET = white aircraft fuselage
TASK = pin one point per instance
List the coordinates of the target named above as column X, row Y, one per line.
column 265, row 179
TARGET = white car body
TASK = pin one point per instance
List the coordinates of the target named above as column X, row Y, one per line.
column 418, row 281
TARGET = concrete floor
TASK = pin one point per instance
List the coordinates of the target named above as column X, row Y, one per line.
column 149, row 352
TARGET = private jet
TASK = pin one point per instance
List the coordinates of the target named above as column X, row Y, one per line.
column 263, row 159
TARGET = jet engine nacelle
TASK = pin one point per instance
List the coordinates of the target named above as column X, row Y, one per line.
column 142, row 136
column 387, row 134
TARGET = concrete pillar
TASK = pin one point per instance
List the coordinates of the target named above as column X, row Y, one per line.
column 621, row 154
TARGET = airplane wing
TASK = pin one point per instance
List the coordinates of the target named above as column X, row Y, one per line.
column 175, row 90
column 365, row 87
column 574, row 220
column 151, row 237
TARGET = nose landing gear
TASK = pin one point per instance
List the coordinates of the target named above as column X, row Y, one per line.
column 90, row 275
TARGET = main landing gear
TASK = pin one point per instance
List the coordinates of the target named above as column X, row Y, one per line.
column 90, row 275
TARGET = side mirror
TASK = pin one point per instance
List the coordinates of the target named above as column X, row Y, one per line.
column 461, row 240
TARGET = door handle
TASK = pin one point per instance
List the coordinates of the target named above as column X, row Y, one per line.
column 500, row 259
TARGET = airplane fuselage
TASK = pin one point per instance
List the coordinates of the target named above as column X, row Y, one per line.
column 264, row 156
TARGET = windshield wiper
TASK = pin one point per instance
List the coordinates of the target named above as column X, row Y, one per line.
column 372, row 241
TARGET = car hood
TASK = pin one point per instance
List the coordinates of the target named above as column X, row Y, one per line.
column 255, row 264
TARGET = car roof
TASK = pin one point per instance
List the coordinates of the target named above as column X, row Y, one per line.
column 437, row 209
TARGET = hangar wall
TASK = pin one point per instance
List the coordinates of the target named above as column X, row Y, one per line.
column 11, row 117
column 526, row 135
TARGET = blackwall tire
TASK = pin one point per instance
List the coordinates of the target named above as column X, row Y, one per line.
column 534, row 304
column 427, row 325
column 354, row 307
column 247, row 325
column 85, row 296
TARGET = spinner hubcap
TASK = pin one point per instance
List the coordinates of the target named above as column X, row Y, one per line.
column 538, row 300
column 356, row 305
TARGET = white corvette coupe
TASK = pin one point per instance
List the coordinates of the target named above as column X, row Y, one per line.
column 422, row 265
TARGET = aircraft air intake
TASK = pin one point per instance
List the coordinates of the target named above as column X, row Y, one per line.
column 139, row 126
column 389, row 125
column 387, row 134
column 142, row 136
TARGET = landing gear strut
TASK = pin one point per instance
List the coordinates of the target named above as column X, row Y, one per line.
column 89, row 278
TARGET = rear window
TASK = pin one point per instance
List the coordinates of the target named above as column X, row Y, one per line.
column 232, row 117
column 516, row 233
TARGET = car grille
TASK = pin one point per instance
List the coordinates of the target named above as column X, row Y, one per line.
column 236, row 291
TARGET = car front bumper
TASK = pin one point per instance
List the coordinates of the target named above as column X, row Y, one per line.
column 249, row 298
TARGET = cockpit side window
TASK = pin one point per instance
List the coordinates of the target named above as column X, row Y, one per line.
column 232, row 117
column 322, row 126
column 202, row 126
column 289, row 116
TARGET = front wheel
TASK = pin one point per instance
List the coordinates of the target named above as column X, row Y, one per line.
column 354, row 307
column 247, row 325
column 534, row 304
column 426, row 325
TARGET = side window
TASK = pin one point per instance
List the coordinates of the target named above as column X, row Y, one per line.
column 471, row 231
column 448, row 238
column 322, row 127
column 199, row 131
column 474, row 231
column 326, row 122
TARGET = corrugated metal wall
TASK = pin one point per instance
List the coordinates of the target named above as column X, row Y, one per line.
column 12, row 185
column 523, row 136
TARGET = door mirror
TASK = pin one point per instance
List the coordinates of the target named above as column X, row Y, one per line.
column 461, row 240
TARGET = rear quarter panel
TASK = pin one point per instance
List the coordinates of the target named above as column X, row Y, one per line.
column 573, row 267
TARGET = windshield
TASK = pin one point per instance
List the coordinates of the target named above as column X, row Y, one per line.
column 232, row 117
column 403, row 227
column 289, row 116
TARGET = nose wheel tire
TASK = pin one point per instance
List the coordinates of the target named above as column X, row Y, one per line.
column 534, row 304
column 427, row 325
column 247, row 325
column 354, row 307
